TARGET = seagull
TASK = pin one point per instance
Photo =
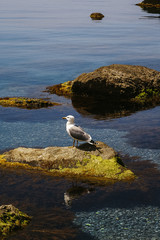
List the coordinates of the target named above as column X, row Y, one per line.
column 76, row 132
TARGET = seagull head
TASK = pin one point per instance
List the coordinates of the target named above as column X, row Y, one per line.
column 69, row 118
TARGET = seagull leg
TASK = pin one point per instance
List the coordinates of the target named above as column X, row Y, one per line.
column 77, row 143
column 73, row 142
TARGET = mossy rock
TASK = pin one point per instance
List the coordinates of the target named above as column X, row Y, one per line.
column 96, row 169
column 62, row 89
column 30, row 103
column 96, row 16
column 147, row 97
column 12, row 219
column 87, row 162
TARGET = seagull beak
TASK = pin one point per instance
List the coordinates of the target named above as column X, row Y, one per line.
column 63, row 117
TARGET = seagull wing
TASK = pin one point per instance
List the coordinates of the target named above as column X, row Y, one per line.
column 78, row 133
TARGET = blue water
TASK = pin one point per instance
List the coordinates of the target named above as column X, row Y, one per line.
column 45, row 42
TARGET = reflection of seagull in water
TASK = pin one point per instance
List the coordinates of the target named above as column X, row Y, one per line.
column 76, row 132
column 75, row 192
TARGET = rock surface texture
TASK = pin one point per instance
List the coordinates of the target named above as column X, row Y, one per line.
column 98, row 163
column 119, row 81
column 11, row 219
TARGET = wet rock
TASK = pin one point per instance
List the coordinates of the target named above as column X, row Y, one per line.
column 30, row 103
column 96, row 16
column 12, row 219
column 93, row 163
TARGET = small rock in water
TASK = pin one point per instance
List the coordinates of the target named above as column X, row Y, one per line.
column 96, row 16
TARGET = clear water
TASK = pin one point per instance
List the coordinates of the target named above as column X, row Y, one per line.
column 45, row 42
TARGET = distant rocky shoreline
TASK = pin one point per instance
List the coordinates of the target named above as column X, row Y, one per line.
column 149, row 4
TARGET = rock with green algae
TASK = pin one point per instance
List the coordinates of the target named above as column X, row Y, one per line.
column 11, row 219
column 30, row 103
column 98, row 163
column 62, row 89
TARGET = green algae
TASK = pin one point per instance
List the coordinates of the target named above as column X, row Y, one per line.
column 62, row 89
column 148, row 96
column 30, row 103
column 12, row 219
column 95, row 168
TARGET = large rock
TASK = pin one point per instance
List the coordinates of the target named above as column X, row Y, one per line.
column 98, row 163
column 116, row 81
column 112, row 91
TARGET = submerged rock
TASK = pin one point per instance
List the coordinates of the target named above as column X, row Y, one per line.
column 93, row 163
column 96, row 16
column 12, row 219
column 30, row 103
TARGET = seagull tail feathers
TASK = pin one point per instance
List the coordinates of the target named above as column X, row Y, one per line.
column 92, row 142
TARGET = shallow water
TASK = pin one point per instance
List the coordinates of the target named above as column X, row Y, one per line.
column 47, row 42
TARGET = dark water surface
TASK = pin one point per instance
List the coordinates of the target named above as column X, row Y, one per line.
column 45, row 42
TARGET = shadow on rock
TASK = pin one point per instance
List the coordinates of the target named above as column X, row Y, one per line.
column 88, row 147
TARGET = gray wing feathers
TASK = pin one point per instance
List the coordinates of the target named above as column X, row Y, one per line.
column 78, row 133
